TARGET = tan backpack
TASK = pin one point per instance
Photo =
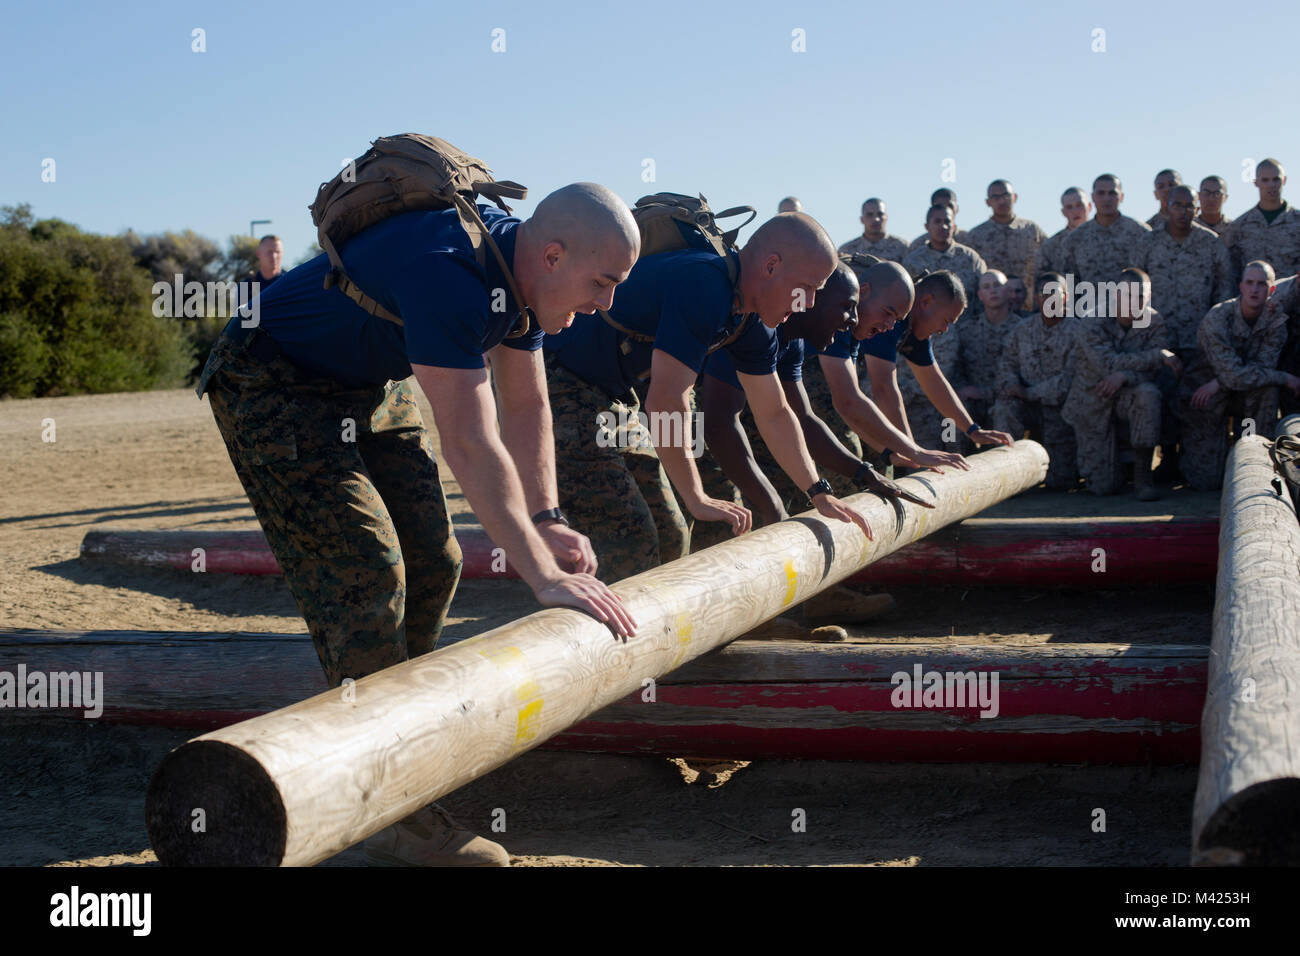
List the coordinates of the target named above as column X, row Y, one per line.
column 672, row 221
column 405, row 173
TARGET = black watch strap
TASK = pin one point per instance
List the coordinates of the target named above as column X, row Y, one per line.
column 551, row 514
column 823, row 487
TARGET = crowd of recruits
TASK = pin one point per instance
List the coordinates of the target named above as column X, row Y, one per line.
column 358, row 520
column 1216, row 352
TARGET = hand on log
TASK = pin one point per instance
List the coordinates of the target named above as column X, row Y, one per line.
column 877, row 483
column 571, row 548
column 931, row 459
column 831, row 507
column 988, row 436
column 714, row 509
column 586, row 593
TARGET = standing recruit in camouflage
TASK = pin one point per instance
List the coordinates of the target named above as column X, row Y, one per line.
column 943, row 196
column 1076, row 209
column 1213, row 191
column 874, row 241
column 1236, row 375
column 1269, row 231
column 1189, row 270
column 941, row 253
column 319, row 417
column 1165, row 180
column 1034, row 378
column 984, row 336
column 1107, row 243
column 1116, row 357
column 1005, row 241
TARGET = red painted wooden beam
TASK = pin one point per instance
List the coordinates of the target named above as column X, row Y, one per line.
column 1104, row 703
column 979, row 552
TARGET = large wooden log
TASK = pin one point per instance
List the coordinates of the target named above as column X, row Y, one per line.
column 1106, row 703
column 979, row 552
column 1247, row 807
column 302, row 783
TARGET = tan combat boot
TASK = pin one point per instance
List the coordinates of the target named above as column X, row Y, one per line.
column 841, row 605
column 430, row 837
column 1144, row 488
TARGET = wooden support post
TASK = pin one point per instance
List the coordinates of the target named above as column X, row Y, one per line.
column 979, row 552
column 1104, row 703
column 303, row 783
column 1247, row 808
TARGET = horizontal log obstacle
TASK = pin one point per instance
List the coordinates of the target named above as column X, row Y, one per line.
column 300, row 784
column 1075, row 553
column 1105, row 703
column 1247, row 808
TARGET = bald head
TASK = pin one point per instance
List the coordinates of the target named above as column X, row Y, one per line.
column 783, row 264
column 886, row 297
column 579, row 244
column 585, row 217
column 789, row 204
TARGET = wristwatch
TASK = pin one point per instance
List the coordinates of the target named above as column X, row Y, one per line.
column 551, row 514
column 974, row 427
column 823, row 487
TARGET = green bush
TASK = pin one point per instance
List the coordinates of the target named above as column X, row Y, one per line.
column 77, row 314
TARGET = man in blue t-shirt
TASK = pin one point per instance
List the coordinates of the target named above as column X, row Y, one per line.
column 313, row 398
column 675, row 308
column 940, row 300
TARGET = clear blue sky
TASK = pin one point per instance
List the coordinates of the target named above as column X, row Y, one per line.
column 150, row 135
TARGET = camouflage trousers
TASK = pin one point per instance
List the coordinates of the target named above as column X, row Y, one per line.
column 611, row 485
column 345, row 485
column 1205, row 430
column 928, row 428
column 1046, row 426
column 1098, row 442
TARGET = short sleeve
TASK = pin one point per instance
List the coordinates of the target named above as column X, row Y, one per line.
column 445, row 310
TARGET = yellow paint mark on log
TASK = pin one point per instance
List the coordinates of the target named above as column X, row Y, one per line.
column 529, row 717
column 791, row 580
column 684, row 628
column 512, row 663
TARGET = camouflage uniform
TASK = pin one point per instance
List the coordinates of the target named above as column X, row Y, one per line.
column 360, row 526
column 1157, row 221
column 1038, row 359
column 962, row 260
column 1097, row 253
column 1051, row 255
column 922, row 417
column 1103, row 346
column 619, row 495
column 1011, row 248
column 960, row 236
column 1187, row 277
column 1286, row 298
column 1220, row 228
column 983, row 346
column 891, row 248
column 823, row 406
column 1243, row 357
column 1252, row 237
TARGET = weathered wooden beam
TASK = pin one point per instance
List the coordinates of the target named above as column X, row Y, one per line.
column 1106, row 703
column 978, row 552
column 302, row 783
column 1247, row 808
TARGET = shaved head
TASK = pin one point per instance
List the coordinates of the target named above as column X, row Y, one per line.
column 784, row 263
column 1270, row 164
column 585, row 217
column 887, row 297
column 579, row 243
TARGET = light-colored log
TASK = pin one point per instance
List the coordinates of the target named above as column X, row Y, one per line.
column 1247, row 807
column 1106, row 703
column 303, row 783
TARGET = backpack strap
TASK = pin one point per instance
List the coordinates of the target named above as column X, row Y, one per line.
column 477, row 232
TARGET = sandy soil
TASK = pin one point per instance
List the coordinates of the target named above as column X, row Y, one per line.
column 156, row 461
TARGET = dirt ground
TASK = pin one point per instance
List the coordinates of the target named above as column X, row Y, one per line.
column 73, row 791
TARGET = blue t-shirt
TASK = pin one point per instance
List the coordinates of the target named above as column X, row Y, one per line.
column 418, row 265
column 899, row 341
column 789, row 361
column 843, row 346
column 683, row 299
